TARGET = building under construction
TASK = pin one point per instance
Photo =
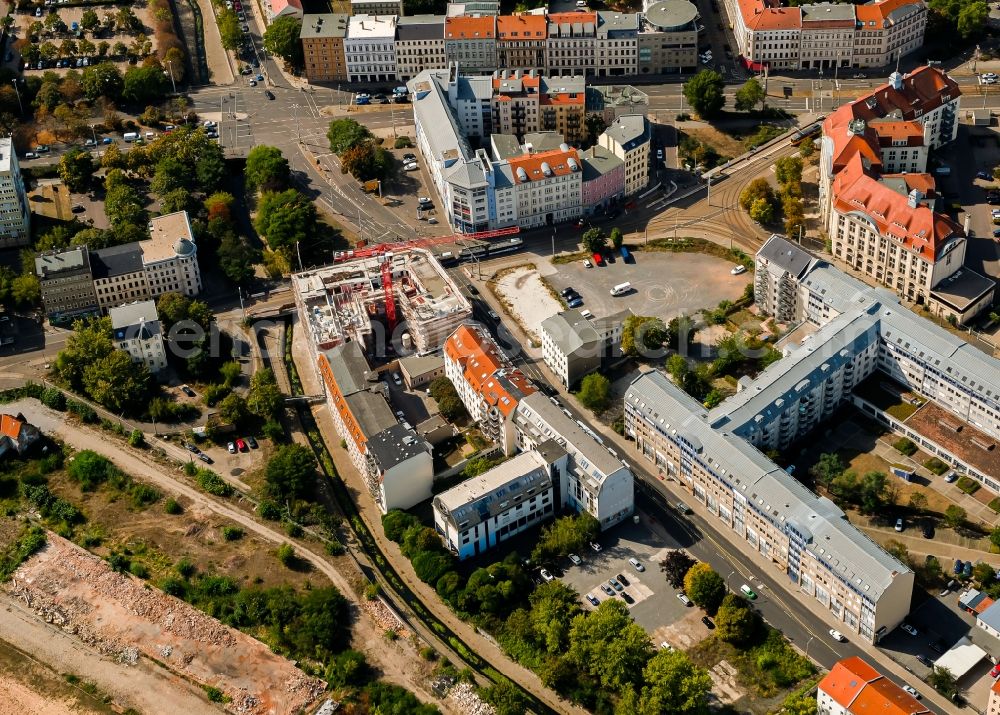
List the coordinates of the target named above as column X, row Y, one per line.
column 370, row 294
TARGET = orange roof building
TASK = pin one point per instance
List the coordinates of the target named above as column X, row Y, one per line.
column 16, row 434
column 993, row 705
column 472, row 43
column 853, row 687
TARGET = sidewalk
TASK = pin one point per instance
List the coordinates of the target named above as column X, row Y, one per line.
column 372, row 517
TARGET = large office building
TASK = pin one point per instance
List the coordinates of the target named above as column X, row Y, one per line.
column 15, row 215
column 322, row 37
column 668, row 38
column 166, row 262
column 826, row 36
column 135, row 328
column 853, row 687
column 878, row 201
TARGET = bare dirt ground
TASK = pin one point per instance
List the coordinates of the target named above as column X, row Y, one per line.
column 123, row 619
column 527, row 298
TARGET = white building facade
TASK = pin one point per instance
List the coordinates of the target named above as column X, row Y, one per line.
column 135, row 328
column 370, row 48
column 15, row 215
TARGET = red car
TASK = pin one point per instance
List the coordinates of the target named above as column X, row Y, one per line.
column 598, row 259
column 241, row 445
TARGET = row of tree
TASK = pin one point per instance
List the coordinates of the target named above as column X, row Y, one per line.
column 760, row 200
column 705, row 93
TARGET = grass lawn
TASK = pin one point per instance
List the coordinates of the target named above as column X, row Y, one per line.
column 765, row 669
column 886, row 401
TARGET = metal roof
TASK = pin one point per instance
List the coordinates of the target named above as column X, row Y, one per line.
column 570, row 331
column 786, row 256
column 394, row 445
column 116, row 260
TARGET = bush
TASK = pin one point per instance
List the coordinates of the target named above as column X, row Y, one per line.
column 136, row 439
column 293, row 530
column 232, row 533
column 334, row 548
column 138, row 570
column 936, row 465
column 967, row 485
column 348, row 669
column 905, row 446
column 172, row 506
column 53, row 398
column 143, row 495
column 273, row 431
column 268, row 510
column 212, row 483
column 82, row 410
column 215, row 695
column 90, row 469
column 286, row 555
column 372, row 591
column 403, row 143
column 185, row 568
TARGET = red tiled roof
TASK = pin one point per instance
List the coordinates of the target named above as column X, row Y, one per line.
column 522, row 27
column 470, row 28
column 888, row 132
column 557, row 160
column 10, row 426
column 846, row 680
column 878, row 12
column 572, row 18
column 769, row 15
column 486, row 369
column 860, row 689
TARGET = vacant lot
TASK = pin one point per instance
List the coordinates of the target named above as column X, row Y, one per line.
column 527, row 298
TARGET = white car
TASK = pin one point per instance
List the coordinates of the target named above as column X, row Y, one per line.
column 546, row 576
column 684, row 599
column 595, row 546
column 575, row 559
column 912, row 691
column 837, row 635
column 396, row 378
column 666, row 646
column 899, row 524
column 587, row 264
column 410, row 167
column 909, row 629
column 738, row 270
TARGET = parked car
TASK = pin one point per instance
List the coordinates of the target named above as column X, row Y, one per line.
column 607, row 589
column 595, row 546
column 241, row 445
column 912, row 691
column 567, row 291
column 636, row 564
column 951, row 477
column 575, row 559
column 575, row 303
column 252, row 443
column 738, row 270
column 546, row 576
column 967, row 569
column 627, row 597
column 958, row 567
column 924, row 660
column 837, row 635
column 231, row 447
column 746, row 591
column 937, row 646
column 995, row 671
column 397, row 379
column 928, row 531
column 984, row 175
column 899, row 524
column 593, row 599
column 909, row 629
column 188, row 391
column 269, row 94
column 614, row 584
column 708, row 623
column 205, row 458
column 190, row 447
column 621, row 579
column 684, row 599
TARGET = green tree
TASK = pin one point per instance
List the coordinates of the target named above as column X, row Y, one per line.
column 609, row 645
column 264, row 398
column 118, row 383
column 705, row 587
column 26, row 291
column 873, row 495
column 102, row 80
column 145, row 84
column 266, row 169
column 346, row 133
column 828, row 467
column 972, row 19
column 89, row 343
column 673, row 684
column 594, row 240
column 943, row 681
column 282, row 39
column 233, row 409
column 918, row 502
column 807, row 147
column 756, row 189
column 984, row 574
column 705, row 93
column 90, row 469
column 229, row 29
column 89, row 20
column 347, row 669
column 291, row 472
column 237, row 258
column 616, row 238
column 735, row 621
column 170, row 174
column 954, row 516
column 675, row 566
column 799, row 704
column 643, row 334
column 595, row 392
column 285, row 218
column 788, row 170
column 367, row 161
column 749, row 95
column 553, row 607
column 995, row 537
column 762, row 211
column 565, row 535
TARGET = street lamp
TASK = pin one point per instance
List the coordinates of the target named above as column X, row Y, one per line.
column 94, row 132
column 170, row 66
column 18, row 92
column 807, row 645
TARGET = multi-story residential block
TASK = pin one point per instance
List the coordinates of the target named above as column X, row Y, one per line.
column 993, row 704
column 473, row 7
column 573, row 346
column 419, row 45
column 486, row 381
column 118, row 276
column 516, row 495
column 628, row 138
column 853, row 687
column 395, row 463
column 668, row 39
column 170, row 256
column 15, row 214
column 521, row 41
column 472, row 43
column 603, row 179
column 804, row 536
column 617, row 43
column 67, row 284
column 572, row 44
column 824, row 36
column 377, row 7
column 370, row 48
column 323, row 47
column 547, row 187
column 594, row 481
column 135, row 328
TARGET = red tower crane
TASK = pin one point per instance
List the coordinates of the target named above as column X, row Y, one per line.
column 390, row 301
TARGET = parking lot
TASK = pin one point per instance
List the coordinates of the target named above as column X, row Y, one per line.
column 663, row 284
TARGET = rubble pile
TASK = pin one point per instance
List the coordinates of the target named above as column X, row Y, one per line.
column 385, row 616
column 122, row 617
column 464, row 695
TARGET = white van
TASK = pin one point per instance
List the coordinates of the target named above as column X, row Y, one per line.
column 150, row 135
column 586, row 314
column 130, row 136
column 621, row 289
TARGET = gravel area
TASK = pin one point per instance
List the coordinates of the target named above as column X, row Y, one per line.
column 526, row 298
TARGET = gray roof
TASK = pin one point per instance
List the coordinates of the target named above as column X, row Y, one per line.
column 420, row 27
column 610, row 321
column 142, row 311
column 570, row 332
column 419, row 364
column 575, row 84
column 323, row 25
column 505, row 146
column 69, row 259
column 371, row 411
column 768, row 489
column 598, row 161
column 116, row 260
column 474, row 89
column 629, row 130
column 350, row 368
column 672, row 15
column 611, row 21
column 827, row 11
column 395, row 445
column 476, row 500
column 962, row 289
column 544, row 141
column 991, row 616
column 435, row 117
column 468, row 175
column 786, row 255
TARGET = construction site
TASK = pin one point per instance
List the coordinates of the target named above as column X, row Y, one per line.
column 389, row 297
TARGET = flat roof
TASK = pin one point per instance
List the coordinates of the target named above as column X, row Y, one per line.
column 6, row 152
column 366, row 27
column 67, row 259
column 974, row 447
column 962, row 289
column 963, row 657
column 169, row 236
column 394, row 445
column 827, row 11
column 672, row 15
column 323, row 25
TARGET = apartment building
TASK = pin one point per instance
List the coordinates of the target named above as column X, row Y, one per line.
column 603, row 179
column 616, row 45
column 547, row 187
column 521, row 41
column 135, row 328
column 803, row 536
column 419, row 45
column 484, row 511
column 322, row 38
column 486, row 381
column 668, row 38
column 573, row 346
column 370, row 48
column 377, row 7
column 594, row 480
column 67, row 284
column 170, row 256
column 853, row 687
column 993, row 705
column 825, row 36
column 119, row 276
column 472, row 43
column 396, row 464
column 628, row 138
column 15, row 214
column 572, row 44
